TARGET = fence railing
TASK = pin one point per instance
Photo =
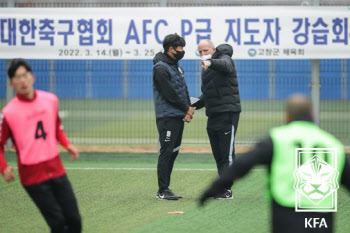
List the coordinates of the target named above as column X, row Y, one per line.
column 111, row 101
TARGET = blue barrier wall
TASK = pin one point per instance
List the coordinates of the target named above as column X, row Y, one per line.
column 258, row 79
column 253, row 85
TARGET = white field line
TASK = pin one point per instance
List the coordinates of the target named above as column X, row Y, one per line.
column 110, row 141
column 113, row 141
column 137, row 169
column 88, row 140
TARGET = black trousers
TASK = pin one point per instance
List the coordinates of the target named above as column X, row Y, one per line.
column 170, row 134
column 222, row 129
column 57, row 203
column 286, row 220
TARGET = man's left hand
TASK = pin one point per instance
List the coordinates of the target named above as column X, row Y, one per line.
column 187, row 118
column 73, row 151
column 216, row 188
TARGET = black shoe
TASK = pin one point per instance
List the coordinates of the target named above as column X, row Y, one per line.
column 226, row 195
column 167, row 195
column 178, row 196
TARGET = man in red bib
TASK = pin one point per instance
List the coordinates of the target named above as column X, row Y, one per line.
column 31, row 120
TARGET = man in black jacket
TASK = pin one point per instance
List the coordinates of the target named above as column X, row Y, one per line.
column 220, row 96
column 172, row 106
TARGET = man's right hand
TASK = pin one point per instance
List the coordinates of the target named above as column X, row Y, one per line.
column 216, row 188
column 189, row 114
column 190, row 111
column 8, row 174
column 206, row 64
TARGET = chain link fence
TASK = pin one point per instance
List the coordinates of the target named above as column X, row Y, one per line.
column 111, row 102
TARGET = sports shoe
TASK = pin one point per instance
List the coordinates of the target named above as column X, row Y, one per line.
column 178, row 196
column 167, row 195
column 227, row 194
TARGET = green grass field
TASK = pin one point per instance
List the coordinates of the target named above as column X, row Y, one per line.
column 116, row 193
column 98, row 121
column 133, row 121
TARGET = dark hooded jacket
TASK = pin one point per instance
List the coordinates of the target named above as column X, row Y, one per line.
column 219, row 84
column 170, row 93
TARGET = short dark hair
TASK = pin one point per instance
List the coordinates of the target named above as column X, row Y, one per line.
column 173, row 40
column 15, row 64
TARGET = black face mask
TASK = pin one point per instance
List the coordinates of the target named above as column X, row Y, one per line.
column 179, row 55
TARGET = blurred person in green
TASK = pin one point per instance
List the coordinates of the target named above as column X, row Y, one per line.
column 277, row 152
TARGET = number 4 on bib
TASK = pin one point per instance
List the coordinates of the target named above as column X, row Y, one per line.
column 40, row 132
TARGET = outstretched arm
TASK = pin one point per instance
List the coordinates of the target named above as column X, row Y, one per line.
column 223, row 64
column 260, row 154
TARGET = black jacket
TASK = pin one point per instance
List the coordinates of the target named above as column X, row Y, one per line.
column 170, row 91
column 219, row 84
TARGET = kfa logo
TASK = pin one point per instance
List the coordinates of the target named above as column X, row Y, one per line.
column 316, row 181
column 315, row 223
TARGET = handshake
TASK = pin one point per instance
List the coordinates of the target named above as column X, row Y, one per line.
column 189, row 114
